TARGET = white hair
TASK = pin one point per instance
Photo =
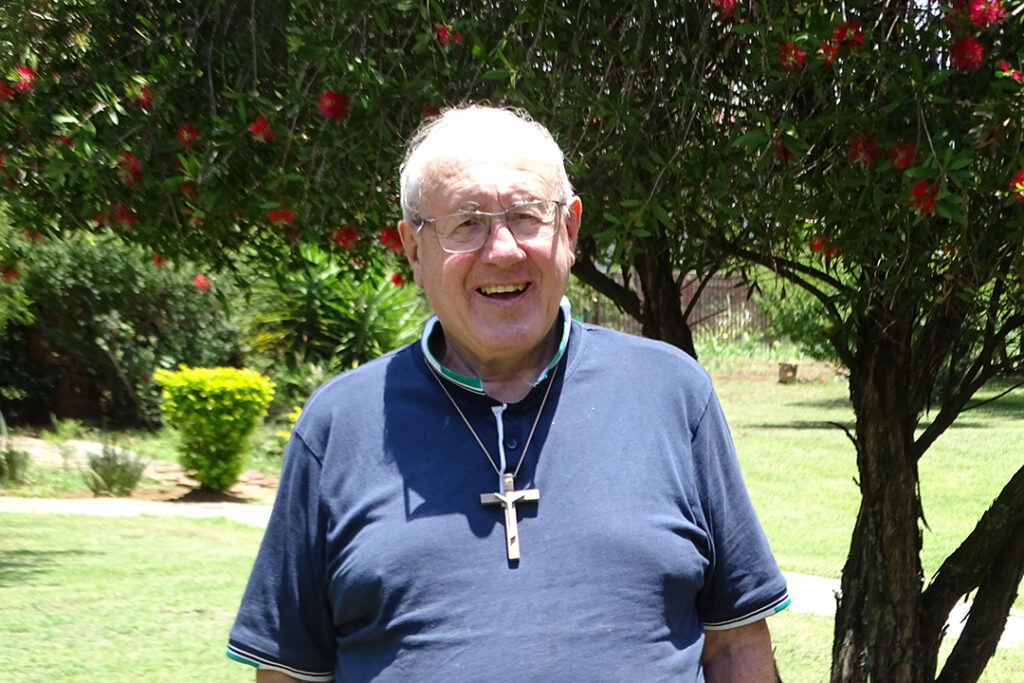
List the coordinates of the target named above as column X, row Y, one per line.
column 463, row 125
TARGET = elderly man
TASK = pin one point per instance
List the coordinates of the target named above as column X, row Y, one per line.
column 518, row 496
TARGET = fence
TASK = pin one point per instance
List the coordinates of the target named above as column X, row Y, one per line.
column 722, row 310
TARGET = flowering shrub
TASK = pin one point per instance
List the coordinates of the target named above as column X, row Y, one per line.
column 215, row 411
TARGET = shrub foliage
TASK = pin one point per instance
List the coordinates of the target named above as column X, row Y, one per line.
column 215, row 410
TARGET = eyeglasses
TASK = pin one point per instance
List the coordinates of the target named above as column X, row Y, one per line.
column 467, row 231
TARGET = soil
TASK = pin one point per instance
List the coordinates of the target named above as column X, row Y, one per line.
column 806, row 371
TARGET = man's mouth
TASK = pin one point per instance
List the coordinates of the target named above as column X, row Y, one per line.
column 503, row 291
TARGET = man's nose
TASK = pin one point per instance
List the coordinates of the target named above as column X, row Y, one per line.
column 501, row 244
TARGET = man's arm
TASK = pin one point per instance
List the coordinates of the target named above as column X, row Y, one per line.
column 266, row 676
column 740, row 655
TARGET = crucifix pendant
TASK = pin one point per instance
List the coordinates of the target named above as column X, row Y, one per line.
column 508, row 499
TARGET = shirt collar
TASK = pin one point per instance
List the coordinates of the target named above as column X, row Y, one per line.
column 475, row 384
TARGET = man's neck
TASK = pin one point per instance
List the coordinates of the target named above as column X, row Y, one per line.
column 506, row 379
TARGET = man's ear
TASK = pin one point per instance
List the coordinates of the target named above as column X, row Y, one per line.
column 411, row 245
column 572, row 222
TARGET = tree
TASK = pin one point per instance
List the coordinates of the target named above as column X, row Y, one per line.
column 868, row 153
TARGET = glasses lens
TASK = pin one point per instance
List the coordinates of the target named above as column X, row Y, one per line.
column 467, row 231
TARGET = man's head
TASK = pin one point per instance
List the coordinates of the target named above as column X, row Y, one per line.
column 497, row 304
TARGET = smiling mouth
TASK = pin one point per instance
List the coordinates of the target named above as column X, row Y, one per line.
column 503, row 291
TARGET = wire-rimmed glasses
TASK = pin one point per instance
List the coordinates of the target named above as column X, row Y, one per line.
column 467, row 231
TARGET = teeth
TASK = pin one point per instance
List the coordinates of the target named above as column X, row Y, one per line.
column 502, row 289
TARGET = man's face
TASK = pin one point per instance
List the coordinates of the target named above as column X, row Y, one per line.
column 499, row 303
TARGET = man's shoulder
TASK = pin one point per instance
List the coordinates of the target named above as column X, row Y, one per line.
column 359, row 386
column 637, row 354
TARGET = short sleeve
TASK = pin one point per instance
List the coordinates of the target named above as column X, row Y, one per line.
column 284, row 621
column 743, row 583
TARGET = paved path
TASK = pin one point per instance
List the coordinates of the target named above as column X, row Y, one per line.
column 810, row 594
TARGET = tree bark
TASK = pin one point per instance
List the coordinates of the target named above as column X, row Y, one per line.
column 876, row 628
column 662, row 315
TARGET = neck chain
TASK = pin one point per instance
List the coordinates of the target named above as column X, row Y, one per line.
column 522, row 456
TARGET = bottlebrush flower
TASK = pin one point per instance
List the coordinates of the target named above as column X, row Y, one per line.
column 8, row 273
column 346, row 237
column 188, row 189
column 782, row 152
column 33, row 236
column 26, row 77
column 1004, row 68
column 967, row 53
column 260, row 129
column 390, row 238
column 187, row 135
column 724, row 8
column 5, row 91
column 819, row 242
column 144, row 100
column 827, row 53
column 790, row 56
column 201, row 281
column 446, row 35
column 281, row 215
column 922, row 196
column 902, row 155
column 396, row 279
column 862, row 149
column 333, row 105
column 429, row 112
column 1017, row 186
column 984, row 13
column 131, row 168
column 64, row 140
column 159, row 260
column 848, row 34
column 124, row 214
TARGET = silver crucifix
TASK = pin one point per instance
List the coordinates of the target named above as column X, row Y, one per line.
column 508, row 499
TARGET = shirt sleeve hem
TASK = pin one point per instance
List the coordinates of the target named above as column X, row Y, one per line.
column 264, row 664
column 751, row 617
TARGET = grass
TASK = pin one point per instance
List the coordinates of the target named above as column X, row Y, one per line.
column 89, row 598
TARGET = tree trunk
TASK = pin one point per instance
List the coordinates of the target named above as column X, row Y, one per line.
column 662, row 313
column 876, row 628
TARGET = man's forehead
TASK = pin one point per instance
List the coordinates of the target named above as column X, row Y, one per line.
column 462, row 178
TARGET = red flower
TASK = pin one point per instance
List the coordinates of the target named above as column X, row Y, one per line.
column 428, row 112
column 922, row 196
column 862, row 149
column 159, row 260
column 902, row 155
column 396, row 279
column 346, row 237
column 1017, row 186
column 8, row 273
column 790, row 56
column 34, row 236
column 26, row 76
column 444, row 34
column 260, row 129
column 144, row 100
column 131, row 168
column 724, row 7
column 64, row 140
column 390, row 238
column 333, row 105
column 827, row 53
column 281, row 215
column 187, row 135
column 188, row 189
column 819, row 242
column 201, row 281
column 1004, row 68
column 848, row 34
column 782, row 152
column 984, row 13
column 5, row 91
column 125, row 214
column 967, row 53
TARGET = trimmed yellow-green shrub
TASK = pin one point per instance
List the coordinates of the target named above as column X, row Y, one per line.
column 214, row 410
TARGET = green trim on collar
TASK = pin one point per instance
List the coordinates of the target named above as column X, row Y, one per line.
column 475, row 384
